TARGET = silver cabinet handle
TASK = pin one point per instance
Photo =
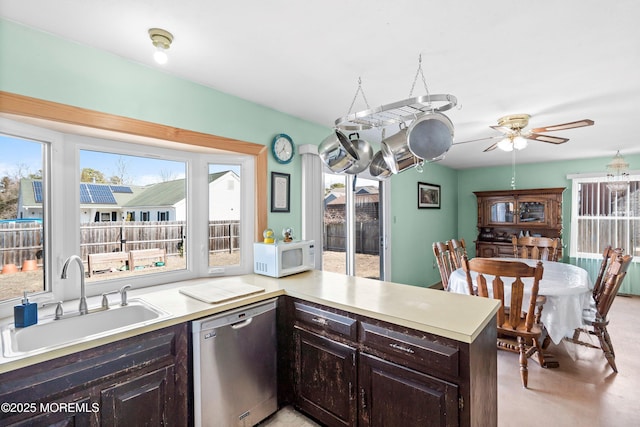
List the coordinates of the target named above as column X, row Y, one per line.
column 401, row 348
column 320, row 320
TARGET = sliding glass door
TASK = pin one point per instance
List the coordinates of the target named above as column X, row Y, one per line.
column 353, row 226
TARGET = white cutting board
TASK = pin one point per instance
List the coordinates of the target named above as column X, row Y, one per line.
column 218, row 291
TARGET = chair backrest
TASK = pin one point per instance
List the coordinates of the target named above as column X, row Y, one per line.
column 459, row 249
column 607, row 255
column 445, row 259
column 544, row 248
column 615, row 274
column 509, row 271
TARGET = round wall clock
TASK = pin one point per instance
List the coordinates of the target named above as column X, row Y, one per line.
column 282, row 148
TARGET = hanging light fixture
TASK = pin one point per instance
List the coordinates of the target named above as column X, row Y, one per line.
column 618, row 178
column 512, row 141
column 161, row 39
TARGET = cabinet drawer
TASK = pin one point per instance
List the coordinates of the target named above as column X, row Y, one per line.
column 412, row 351
column 325, row 321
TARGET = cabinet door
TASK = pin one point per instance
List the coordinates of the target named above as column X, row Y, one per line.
column 325, row 379
column 141, row 401
column 500, row 211
column 392, row 395
column 486, row 250
column 533, row 212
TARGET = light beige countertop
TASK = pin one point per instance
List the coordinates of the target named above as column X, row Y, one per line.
column 455, row 316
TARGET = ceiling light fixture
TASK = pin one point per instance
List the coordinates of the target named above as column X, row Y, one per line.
column 161, row 39
column 513, row 141
column 618, row 178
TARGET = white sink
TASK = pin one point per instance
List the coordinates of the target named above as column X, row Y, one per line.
column 50, row 334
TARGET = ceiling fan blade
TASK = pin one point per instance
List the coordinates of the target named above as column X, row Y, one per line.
column 547, row 138
column 490, row 148
column 476, row 140
column 571, row 125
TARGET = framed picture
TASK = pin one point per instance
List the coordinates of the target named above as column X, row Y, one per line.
column 280, row 197
column 428, row 196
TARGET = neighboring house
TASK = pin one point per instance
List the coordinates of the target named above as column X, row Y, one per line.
column 164, row 201
column 366, row 201
column 98, row 202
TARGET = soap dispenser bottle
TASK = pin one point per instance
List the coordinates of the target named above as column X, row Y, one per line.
column 25, row 314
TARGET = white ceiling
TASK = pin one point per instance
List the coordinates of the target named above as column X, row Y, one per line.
column 559, row 61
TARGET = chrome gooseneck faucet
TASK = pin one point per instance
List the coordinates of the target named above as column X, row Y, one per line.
column 83, row 309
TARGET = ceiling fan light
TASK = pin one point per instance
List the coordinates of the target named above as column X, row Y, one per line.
column 519, row 143
column 505, row 144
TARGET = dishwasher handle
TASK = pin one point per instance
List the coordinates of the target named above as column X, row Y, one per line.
column 242, row 324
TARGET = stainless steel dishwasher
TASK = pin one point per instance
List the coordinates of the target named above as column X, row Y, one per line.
column 234, row 366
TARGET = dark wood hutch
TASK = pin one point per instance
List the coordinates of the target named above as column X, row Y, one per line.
column 503, row 213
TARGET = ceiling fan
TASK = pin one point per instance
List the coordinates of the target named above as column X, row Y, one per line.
column 514, row 135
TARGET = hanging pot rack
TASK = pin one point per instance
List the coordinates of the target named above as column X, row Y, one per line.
column 397, row 112
column 433, row 134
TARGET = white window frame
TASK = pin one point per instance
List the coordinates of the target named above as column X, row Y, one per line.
column 577, row 179
column 62, row 233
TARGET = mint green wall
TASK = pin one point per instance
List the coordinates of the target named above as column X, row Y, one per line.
column 538, row 175
column 414, row 230
column 36, row 64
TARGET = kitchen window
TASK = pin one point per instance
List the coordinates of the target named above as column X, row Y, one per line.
column 225, row 215
column 23, row 203
column 74, row 200
column 602, row 217
column 115, row 182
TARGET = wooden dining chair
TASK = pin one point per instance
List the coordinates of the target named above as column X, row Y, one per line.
column 458, row 248
column 544, row 248
column 608, row 254
column 595, row 321
column 445, row 260
column 517, row 329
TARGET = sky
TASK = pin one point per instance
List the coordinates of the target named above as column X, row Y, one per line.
column 19, row 156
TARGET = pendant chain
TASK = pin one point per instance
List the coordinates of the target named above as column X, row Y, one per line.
column 415, row 79
column 359, row 90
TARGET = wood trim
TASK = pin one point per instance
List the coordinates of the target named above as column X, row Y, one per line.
column 25, row 106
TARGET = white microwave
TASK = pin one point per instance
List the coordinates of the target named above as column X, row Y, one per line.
column 282, row 259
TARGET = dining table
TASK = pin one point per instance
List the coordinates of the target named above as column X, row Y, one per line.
column 566, row 288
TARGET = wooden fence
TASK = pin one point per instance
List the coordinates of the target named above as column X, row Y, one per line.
column 22, row 241
column 367, row 237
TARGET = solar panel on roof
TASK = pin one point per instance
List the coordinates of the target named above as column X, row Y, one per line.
column 121, row 189
column 101, row 194
column 84, row 194
column 37, row 191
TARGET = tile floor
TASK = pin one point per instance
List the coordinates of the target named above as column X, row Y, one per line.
column 288, row 417
column 583, row 391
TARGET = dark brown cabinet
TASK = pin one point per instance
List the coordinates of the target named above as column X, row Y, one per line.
column 425, row 400
column 351, row 370
column 504, row 213
column 325, row 378
column 141, row 380
column 145, row 400
column 325, row 364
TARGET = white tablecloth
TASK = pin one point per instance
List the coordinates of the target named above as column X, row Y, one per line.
column 567, row 288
